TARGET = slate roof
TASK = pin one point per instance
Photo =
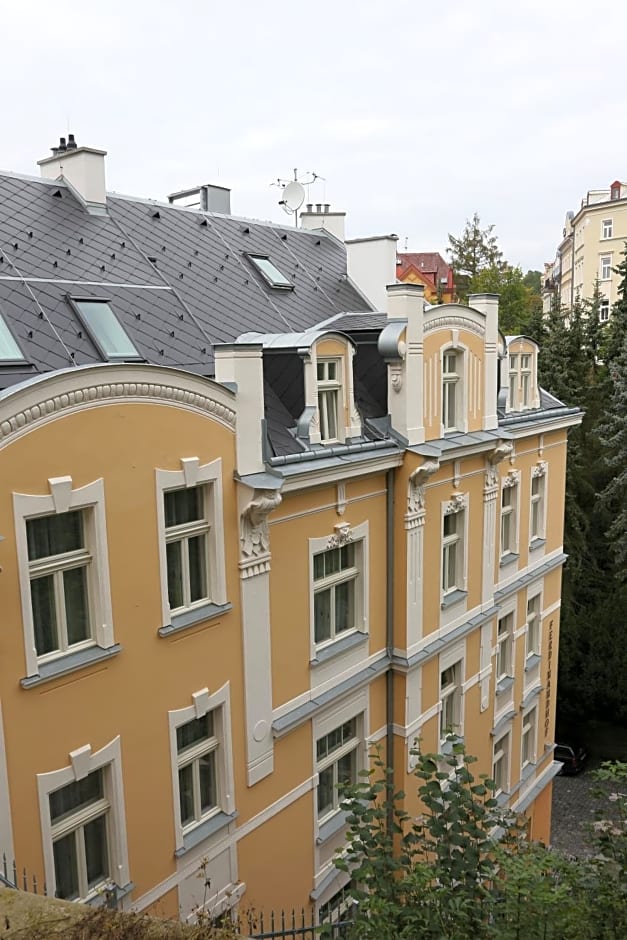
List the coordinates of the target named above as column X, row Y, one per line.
column 178, row 280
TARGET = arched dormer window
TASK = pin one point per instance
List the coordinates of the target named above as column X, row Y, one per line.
column 522, row 379
column 452, row 390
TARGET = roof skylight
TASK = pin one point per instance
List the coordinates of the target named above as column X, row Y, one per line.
column 270, row 272
column 105, row 329
column 9, row 350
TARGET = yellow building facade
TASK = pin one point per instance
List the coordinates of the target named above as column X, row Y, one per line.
column 223, row 584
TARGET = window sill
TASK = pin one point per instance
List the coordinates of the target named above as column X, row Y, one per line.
column 504, row 685
column 205, row 830
column 109, row 895
column 455, row 597
column 190, row 618
column 337, row 647
column 502, row 797
column 70, row 663
column 447, row 747
column 535, row 544
column 508, row 559
column 527, row 771
column 335, row 824
column 533, row 660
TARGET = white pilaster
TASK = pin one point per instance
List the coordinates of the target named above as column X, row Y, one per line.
column 254, row 568
column 488, row 304
column 414, row 526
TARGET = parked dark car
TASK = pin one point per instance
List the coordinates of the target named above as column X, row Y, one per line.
column 572, row 758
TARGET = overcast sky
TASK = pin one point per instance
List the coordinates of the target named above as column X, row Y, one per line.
column 415, row 113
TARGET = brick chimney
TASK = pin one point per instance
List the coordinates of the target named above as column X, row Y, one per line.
column 82, row 168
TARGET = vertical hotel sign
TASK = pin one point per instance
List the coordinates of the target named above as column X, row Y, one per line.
column 549, row 684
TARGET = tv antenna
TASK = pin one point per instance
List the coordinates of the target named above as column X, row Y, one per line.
column 293, row 192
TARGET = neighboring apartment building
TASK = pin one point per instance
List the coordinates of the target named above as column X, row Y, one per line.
column 429, row 269
column 593, row 241
column 252, row 527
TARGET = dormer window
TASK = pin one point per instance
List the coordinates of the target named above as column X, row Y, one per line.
column 329, row 387
column 522, row 390
column 105, row 330
column 270, row 273
column 451, row 366
column 10, row 352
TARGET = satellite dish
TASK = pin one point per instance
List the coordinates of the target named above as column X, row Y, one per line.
column 293, row 197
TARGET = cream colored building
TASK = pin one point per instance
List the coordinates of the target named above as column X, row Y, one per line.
column 592, row 243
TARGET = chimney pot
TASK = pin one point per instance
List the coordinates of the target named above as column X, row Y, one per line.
column 327, row 206
column 318, row 207
column 309, row 207
column 62, row 145
column 71, row 142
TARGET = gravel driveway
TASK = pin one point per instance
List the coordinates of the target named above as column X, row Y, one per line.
column 573, row 811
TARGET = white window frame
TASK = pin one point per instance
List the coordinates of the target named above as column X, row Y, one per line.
column 501, row 755
column 510, row 512
column 218, row 702
column 456, row 379
column 607, row 228
column 454, row 659
column 604, row 310
column 209, row 476
column 359, row 538
column 90, row 500
column 533, row 633
column 529, row 737
column 538, row 502
column 330, row 390
column 605, row 268
column 458, row 506
column 82, row 763
column 355, row 708
column 505, row 646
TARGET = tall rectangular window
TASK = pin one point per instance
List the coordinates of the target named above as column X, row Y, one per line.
column 336, row 763
column 452, row 551
column 335, row 578
column 537, row 507
column 197, row 746
column 451, row 700
column 59, row 564
column 525, row 380
column 187, row 531
column 328, row 378
column 79, row 821
column 606, row 267
column 509, row 496
column 513, row 380
column 533, row 639
column 500, row 763
column 450, row 390
column 505, row 648
column 604, row 311
column 607, row 227
column 528, row 737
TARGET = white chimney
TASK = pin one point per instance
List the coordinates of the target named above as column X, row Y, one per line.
column 82, row 168
column 488, row 305
column 401, row 345
column 241, row 365
column 372, row 266
column 319, row 216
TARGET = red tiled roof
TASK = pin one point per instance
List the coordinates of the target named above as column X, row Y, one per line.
column 431, row 265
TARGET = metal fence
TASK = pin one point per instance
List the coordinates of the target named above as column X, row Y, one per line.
column 295, row 925
column 12, row 877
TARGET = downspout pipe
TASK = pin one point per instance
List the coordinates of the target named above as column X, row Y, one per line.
column 389, row 633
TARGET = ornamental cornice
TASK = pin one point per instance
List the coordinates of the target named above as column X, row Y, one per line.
column 457, row 503
column 91, row 395
column 343, row 535
column 456, row 322
column 539, row 469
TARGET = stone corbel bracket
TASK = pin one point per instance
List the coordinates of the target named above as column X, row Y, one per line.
column 416, row 485
column 502, row 451
column 254, row 535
